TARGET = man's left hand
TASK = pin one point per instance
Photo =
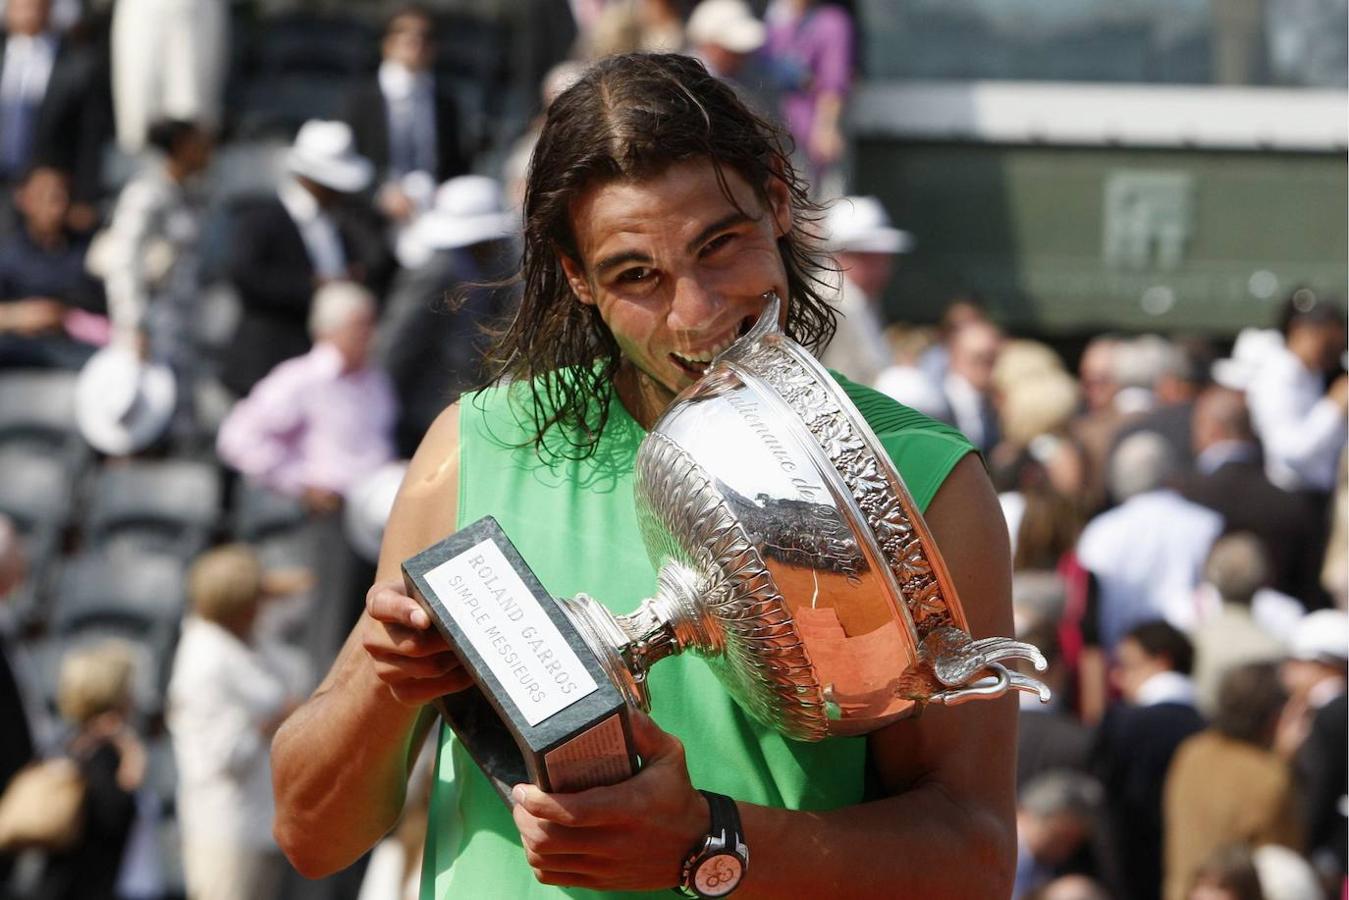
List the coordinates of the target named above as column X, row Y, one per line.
column 630, row 836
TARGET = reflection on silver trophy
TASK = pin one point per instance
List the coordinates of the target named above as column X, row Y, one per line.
column 791, row 556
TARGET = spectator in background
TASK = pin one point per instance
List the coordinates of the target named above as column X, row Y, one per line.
column 1226, row 785
column 1048, row 736
column 726, row 37
column 226, row 698
column 282, row 247
column 1055, row 816
column 149, row 258
column 1230, row 480
column 1182, row 371
column 169, row 60
column 1300, row 423
column 320, row 422
column 16, row 738
column 1147, row 553
column 1135, row 745
column 1313, row 733
column 34, row 63
column 905, row 378
column 1228, row 874
column 317, row 428
column 1070, row 887
column 811, row 47
column 653, row 26
column 969, row 383
column 859, row 234
column 405, row 121
column 1095, row 429
column 432, row 336
column 43, row 280
column 1237, row 567
column 94, row 695
column 959, row 312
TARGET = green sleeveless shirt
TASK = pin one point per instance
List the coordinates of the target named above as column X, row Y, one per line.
column 575, row 523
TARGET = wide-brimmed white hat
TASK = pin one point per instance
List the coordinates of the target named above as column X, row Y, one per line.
column 860, row 225
column 123, row 404
column 468, row 210
column 325, row 152
column 1321, row 636
column 1253, row 347
column 726, row 23
column 368, row 505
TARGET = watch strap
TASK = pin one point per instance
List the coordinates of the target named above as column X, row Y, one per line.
column 723, row 836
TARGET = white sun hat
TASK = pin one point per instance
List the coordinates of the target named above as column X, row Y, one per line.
column 1322, row 636
column 325, row 153
column 468, row 210
column 860, row 225
column 123, row 404
column 368, row 506
column 726, row 23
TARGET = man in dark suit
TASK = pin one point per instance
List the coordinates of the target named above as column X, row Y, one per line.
column 404, row 121
column 282, row 247
column 52, row 110
column 1230, row 479
column 1135, row 744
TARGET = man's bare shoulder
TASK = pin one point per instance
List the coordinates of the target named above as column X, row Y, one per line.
column 427, row 506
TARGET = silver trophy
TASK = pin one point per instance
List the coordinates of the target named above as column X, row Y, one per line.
column 789, row 554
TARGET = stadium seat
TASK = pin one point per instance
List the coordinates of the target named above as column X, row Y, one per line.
column 167, row 507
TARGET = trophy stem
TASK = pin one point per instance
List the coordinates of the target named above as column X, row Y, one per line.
column 664, row 625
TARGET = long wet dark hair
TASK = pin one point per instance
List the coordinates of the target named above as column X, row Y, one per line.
column 632, row 117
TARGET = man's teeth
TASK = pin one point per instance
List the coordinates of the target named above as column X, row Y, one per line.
column 706, row 356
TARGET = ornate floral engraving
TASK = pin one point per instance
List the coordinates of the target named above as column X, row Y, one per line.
column 887, row 516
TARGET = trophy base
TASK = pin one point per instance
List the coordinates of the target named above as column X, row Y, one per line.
column 542, row 708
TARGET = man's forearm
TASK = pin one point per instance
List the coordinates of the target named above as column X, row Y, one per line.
column 339, row 768
column 923, row 843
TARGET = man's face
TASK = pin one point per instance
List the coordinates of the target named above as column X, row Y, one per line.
column 26, row 16
column 409, row 41
column 869, row 271
column 352, row 338
column 1097, row 374
column 974, row 354
column 1133, row 666
column 44, row 200
column 676, row 271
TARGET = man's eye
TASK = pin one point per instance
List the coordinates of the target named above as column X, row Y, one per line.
column 717, row 243
column 632, row 276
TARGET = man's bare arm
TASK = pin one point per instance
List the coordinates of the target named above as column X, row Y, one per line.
column 340, row 762
column 947, row 830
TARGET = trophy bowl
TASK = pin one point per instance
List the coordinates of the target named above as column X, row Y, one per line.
column 788, row 552
column 791, row 555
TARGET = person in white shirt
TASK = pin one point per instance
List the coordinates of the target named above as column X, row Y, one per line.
column 226, row 698
column 865, row 245
column 1301, row 424
column 1147, row 554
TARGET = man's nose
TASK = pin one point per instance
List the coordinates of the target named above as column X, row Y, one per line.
column 694, row 305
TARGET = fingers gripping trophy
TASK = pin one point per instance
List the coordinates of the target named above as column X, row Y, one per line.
column 789, row 554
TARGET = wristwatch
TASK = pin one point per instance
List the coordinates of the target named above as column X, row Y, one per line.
column 716, row 865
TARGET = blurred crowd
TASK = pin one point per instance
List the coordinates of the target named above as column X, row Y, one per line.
column 247, row 259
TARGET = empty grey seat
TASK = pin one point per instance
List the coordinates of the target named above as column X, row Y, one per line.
column 170, row 507
column 141, row 596
column 37, row 411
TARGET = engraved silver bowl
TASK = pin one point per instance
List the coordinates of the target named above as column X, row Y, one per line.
column 792, row 557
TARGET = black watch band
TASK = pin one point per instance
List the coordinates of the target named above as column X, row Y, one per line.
column 715, row 866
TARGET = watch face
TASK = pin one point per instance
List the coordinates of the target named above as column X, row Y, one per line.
column 718, row 875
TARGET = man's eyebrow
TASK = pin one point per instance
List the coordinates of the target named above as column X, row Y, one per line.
column 618, row 259
column 726, row 221
column 630, row 256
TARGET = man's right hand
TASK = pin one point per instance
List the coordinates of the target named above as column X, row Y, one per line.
column 409, row 655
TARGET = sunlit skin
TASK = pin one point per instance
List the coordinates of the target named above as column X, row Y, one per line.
column 676, row 270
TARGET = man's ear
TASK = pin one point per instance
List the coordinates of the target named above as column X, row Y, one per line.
column 576, row 279
column 780, row 206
